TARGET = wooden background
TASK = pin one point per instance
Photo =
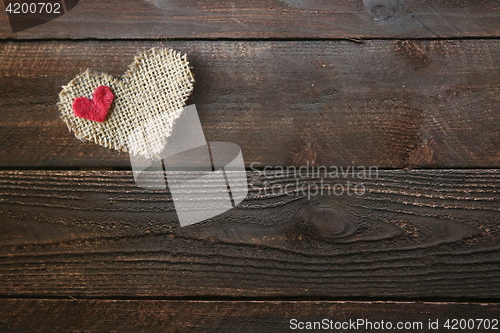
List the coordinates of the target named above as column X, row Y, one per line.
column 412, row 87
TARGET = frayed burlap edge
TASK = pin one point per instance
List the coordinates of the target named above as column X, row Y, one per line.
column 148, row 99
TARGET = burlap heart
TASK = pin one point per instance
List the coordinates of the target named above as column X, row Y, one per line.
column 152, row 91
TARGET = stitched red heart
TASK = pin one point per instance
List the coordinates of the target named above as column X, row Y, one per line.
column 95, row 109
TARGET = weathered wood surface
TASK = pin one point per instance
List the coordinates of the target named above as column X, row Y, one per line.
column 416, row 86
column 392, row 104
column 269, row 19
column 426, row 234
column 20, row 315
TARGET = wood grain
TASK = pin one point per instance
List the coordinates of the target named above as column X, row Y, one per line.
column 392, row 104
column 388, row 83
column 269, row 19
column 19, row 315
column 426, row 234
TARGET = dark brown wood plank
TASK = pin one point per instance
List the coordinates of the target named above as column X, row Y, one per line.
column 392, row 104
column 19, row 315
column 426, row 234
column 269, row 19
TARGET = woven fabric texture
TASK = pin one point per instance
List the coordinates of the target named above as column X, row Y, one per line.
column 148, row 99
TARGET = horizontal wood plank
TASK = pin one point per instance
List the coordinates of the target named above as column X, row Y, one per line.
column 268, row 19
column 392, row 104
column 18, row 315
column 426, row 234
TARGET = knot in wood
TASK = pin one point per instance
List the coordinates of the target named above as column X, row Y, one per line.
column 326, row 222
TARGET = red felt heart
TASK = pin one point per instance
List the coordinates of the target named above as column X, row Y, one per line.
column 95, row 109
